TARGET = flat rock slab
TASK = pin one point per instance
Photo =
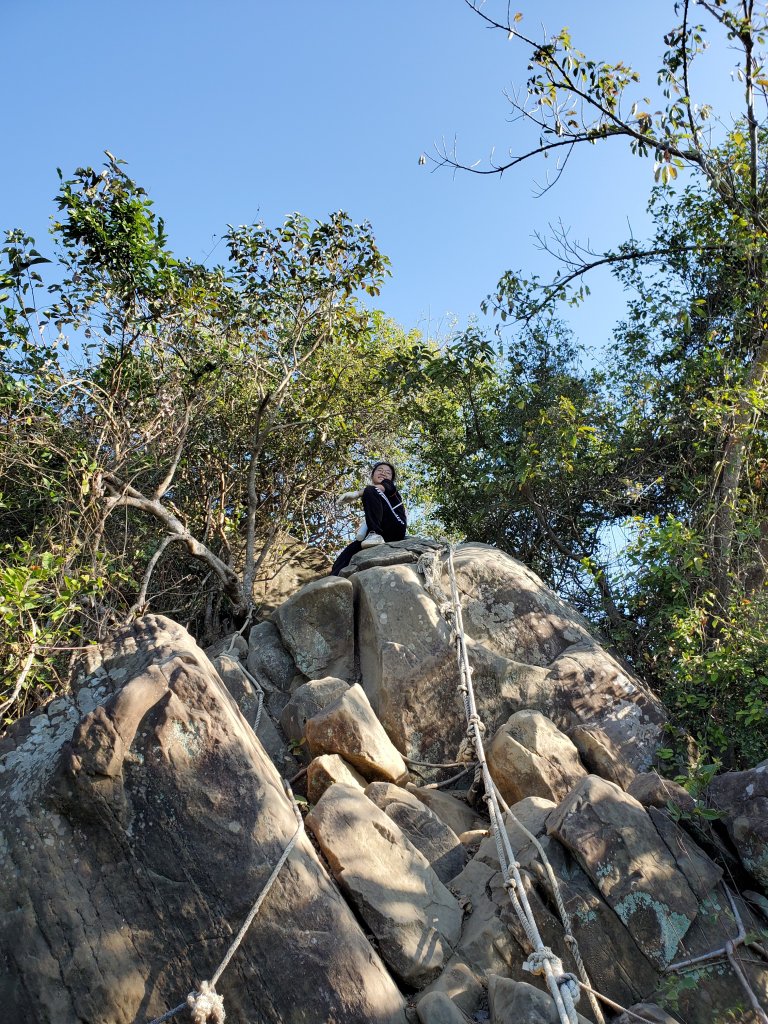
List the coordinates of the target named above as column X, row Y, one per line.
column 349, row 727
column 316, row 626
column 416, row 921
column 529, row 756
column 614, row 839
column 399, row 552
column 438, row 843
column 141, row 818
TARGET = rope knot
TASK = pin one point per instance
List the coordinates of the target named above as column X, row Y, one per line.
column 466, row 754
column 206, row 1005
column 539, row 958
column 570, row 983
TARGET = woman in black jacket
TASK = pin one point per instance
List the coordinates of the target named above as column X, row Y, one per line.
column 385, row 517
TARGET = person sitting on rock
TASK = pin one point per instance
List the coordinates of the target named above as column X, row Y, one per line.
column 385, row 518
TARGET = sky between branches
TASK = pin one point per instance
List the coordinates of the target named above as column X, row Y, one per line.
column 235, row 111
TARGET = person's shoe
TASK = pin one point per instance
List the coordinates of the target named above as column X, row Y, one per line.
column 361, row 533
column 372, row 540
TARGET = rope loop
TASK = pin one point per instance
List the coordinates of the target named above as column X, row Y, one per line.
column 570, row 983
column 206, row 1005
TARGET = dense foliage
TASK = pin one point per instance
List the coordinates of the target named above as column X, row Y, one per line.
column 166, row 426
column 638, row 489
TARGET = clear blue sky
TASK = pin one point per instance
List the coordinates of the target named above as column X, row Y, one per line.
column 239, row 110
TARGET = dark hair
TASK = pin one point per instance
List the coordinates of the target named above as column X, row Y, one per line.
column 384, row 463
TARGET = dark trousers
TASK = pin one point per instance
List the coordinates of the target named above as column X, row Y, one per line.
column 380, row 519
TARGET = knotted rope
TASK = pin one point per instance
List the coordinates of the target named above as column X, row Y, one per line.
column 563, row 988
column 206, row 1005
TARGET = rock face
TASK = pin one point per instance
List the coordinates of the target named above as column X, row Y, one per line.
column 141, row 820
column 616, row 844
column 142, row 816
column 743, row 797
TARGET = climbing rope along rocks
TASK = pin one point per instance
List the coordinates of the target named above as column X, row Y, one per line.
column 563, row 987
column 206, row 1004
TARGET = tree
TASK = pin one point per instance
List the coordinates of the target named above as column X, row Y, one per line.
column 168, row 423
column 672, row 447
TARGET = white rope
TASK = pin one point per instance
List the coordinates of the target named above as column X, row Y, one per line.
column 563, row 988
column 206, row 1004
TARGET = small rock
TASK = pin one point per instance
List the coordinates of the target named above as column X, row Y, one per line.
column 438, row 1008
column 324, row 771
column 349, row 727
column 601, row 756
column 654, row 791
column 529, row 756
column 460, row 984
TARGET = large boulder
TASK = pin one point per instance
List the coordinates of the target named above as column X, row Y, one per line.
column 141, row 819
column 407, row 663
column 529, row 756
column 615, row 842
column 743, row 799
column 527, row 648
column 267, row 660
column 509, row 610
column 348, row 727
column 316, row 626
column 415, row 919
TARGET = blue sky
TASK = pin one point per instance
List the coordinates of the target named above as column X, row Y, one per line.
column 240, row 110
